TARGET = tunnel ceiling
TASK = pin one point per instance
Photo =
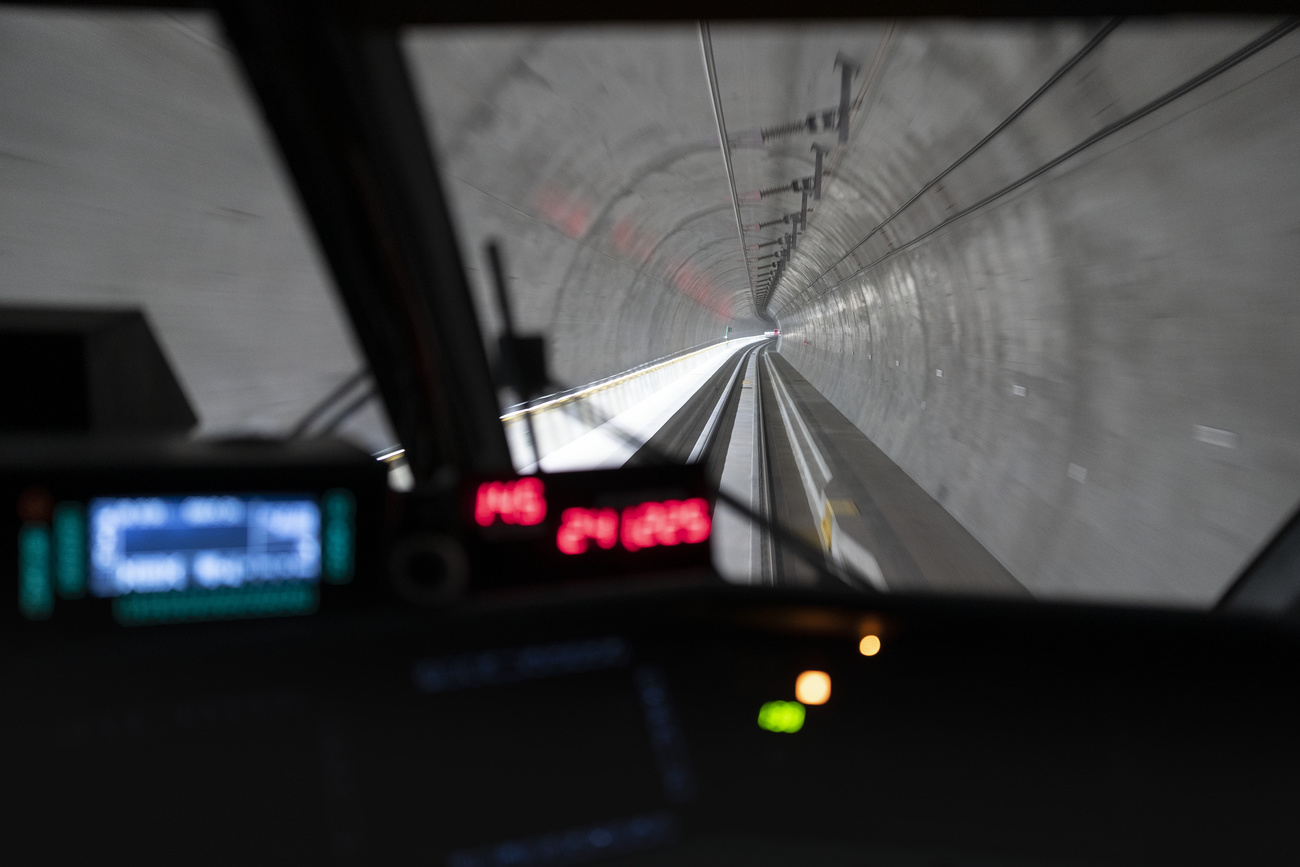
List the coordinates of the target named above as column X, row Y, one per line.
column 594, row 152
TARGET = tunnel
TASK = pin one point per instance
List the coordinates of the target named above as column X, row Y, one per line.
column 1029, row 285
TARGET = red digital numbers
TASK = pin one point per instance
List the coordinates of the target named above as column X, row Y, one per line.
column 666, row 523
column 520, row 502
column 643, row 526
column 579, row 526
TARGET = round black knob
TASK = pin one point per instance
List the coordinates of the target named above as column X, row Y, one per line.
column 428, row 568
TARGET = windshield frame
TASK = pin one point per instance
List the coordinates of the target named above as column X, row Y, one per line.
column 335, row 90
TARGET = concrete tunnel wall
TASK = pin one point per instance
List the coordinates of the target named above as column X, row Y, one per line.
column 593, row 153
column 1098, row 330
column 1095, row 374
column 136, row 172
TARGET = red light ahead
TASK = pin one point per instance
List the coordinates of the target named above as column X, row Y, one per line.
column 643, row 526
column 518, row 502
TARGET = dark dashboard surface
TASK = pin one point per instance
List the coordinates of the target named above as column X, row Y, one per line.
column 626, row 728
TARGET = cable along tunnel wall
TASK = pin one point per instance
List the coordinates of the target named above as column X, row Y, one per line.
column 1093, row 372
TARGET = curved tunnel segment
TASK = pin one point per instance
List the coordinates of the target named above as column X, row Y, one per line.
column 1049, row 277
column 1035, row 282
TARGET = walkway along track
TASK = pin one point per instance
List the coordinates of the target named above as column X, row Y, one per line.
column 878, row 529
column 808, row 480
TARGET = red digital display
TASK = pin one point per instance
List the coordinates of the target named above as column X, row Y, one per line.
column 642, row 526
column 587, row 525
column 580, row 526
column 521, row 501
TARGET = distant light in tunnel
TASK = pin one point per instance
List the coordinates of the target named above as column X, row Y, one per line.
column 813, row 687
column 869, row 645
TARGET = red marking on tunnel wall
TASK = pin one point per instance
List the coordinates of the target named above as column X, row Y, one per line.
column 630, row 240
column 572, row 214
column 564, row 209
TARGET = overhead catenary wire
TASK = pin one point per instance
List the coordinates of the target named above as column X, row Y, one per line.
column 835, row 155
column 1056, row 76
column 1159, row 102
column 706, row 46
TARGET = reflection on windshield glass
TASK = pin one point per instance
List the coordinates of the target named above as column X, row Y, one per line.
column 136, row 175
column 975, row 308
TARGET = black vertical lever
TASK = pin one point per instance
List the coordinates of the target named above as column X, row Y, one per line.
column 522, row 359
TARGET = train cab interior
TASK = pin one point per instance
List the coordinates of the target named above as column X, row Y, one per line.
column 359, row 510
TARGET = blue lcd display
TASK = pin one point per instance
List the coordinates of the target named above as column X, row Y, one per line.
column 158, row 544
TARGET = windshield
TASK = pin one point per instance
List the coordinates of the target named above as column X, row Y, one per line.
column 136, row 176
column 972, row 307
column 940, row 306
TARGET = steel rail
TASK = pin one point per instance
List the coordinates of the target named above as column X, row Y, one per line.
column 706, row 440
column 789, row 541
column 770, row 569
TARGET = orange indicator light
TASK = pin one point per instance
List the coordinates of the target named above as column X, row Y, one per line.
column 869, row 645
column 813, row 687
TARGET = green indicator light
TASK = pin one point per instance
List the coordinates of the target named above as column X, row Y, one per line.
column 35, row 581
column 70, row 550
column 339, row 510
column 227, row 603
column 781, row 716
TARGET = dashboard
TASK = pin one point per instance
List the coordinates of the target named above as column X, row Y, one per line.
column 661, row 718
